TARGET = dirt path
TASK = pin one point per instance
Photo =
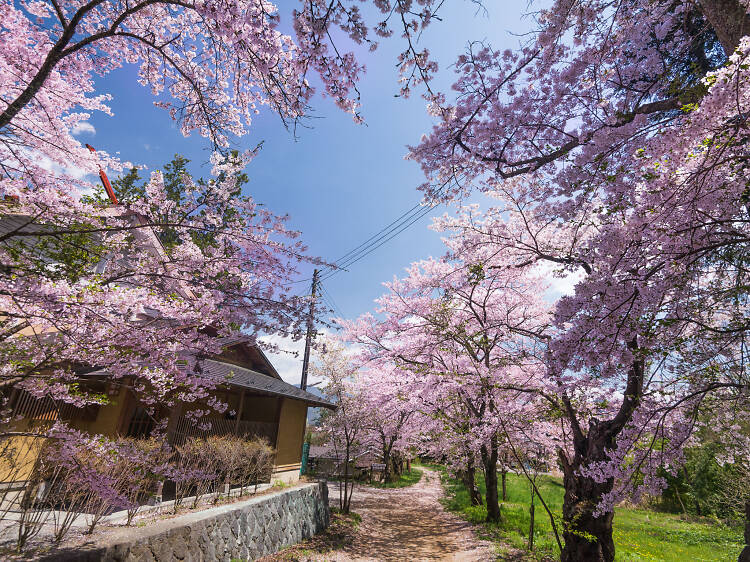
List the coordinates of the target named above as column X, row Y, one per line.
column 408, row 524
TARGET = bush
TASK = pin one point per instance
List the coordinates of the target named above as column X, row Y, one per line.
column 78, row 475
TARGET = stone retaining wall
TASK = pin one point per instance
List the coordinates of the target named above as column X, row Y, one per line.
column 245, row 530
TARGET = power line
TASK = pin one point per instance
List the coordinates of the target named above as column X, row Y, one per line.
column 378, row 234
column 330, row 300
column 385, row 234
column 374, row 246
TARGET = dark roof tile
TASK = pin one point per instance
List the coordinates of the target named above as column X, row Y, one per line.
column 252, row 380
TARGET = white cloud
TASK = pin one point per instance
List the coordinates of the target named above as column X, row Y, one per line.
column 55, row 168
column 83, row 127
column 288, row 360
column 559, row 285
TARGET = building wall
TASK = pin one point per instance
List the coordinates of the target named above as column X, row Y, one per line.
column 18, row 456
column 292, row 419
column 259, row 408
column 108, row 418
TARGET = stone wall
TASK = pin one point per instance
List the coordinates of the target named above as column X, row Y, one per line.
column 240, row 531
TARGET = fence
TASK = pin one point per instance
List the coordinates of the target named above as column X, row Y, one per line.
column 187, row 427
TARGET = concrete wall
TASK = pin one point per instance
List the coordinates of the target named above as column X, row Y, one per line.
column 245, row 530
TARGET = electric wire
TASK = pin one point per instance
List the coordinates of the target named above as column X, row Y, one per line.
column 384, row 235
column 378, row 234
column 330, row 300
column 371, row 248
column 388, row 232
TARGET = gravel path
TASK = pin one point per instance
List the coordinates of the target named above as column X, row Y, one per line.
column 408, row 524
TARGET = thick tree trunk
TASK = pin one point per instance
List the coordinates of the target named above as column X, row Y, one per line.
column 586, row 537
column 489, row 460
column 729, row 20
column 745, row 554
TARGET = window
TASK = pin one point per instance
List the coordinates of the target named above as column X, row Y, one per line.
column 141, row 423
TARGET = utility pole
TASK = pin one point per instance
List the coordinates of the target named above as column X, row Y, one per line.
column 310, row 331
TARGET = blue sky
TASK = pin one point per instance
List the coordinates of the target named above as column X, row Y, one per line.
column 339, row 182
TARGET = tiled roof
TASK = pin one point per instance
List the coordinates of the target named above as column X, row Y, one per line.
column 252, row 380
column 12, row 222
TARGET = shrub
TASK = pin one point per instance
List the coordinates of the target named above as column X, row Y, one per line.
column 75, row 474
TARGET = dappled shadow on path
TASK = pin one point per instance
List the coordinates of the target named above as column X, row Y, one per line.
column 410, row 524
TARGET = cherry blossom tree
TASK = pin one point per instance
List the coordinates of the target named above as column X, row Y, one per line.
column 388, row 414
column 615, row 143
column 119, row 300
column 213, row 64
column 344, row 427
column 466, row 336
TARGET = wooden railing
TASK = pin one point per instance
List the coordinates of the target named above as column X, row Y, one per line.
column 187, row 427
column 40, row 412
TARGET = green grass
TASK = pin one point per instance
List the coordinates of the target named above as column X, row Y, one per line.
column 639, row 534
column 406, row 478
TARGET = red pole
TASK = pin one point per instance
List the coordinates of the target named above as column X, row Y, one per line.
column 105, row 181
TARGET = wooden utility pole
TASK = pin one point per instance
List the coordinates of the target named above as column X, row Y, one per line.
column 310, row 331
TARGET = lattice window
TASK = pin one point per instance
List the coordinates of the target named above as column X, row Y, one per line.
column 141, row 424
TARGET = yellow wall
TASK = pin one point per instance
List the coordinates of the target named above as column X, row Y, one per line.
column 18, row 455
column 260, row 409
column 108, row 418
column 290, row 435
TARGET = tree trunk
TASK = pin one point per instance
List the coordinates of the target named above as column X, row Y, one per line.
column 387, row 462
column 745, row 554
column 581, row 497
column 587, row 537
column 489, row 460
column 468, row 477
column 503, row 476
column 531, row 521
column 729, row 20
column 345, row 503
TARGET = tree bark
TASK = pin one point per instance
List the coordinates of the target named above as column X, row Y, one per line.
column 468, row 477
column 489, row 460
column 387, row 463
column 347, row 497
column 503, row 477
column 586, row 537
column 729, row 20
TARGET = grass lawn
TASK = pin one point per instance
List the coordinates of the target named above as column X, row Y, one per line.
column 639, row 534
column 407, row 478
